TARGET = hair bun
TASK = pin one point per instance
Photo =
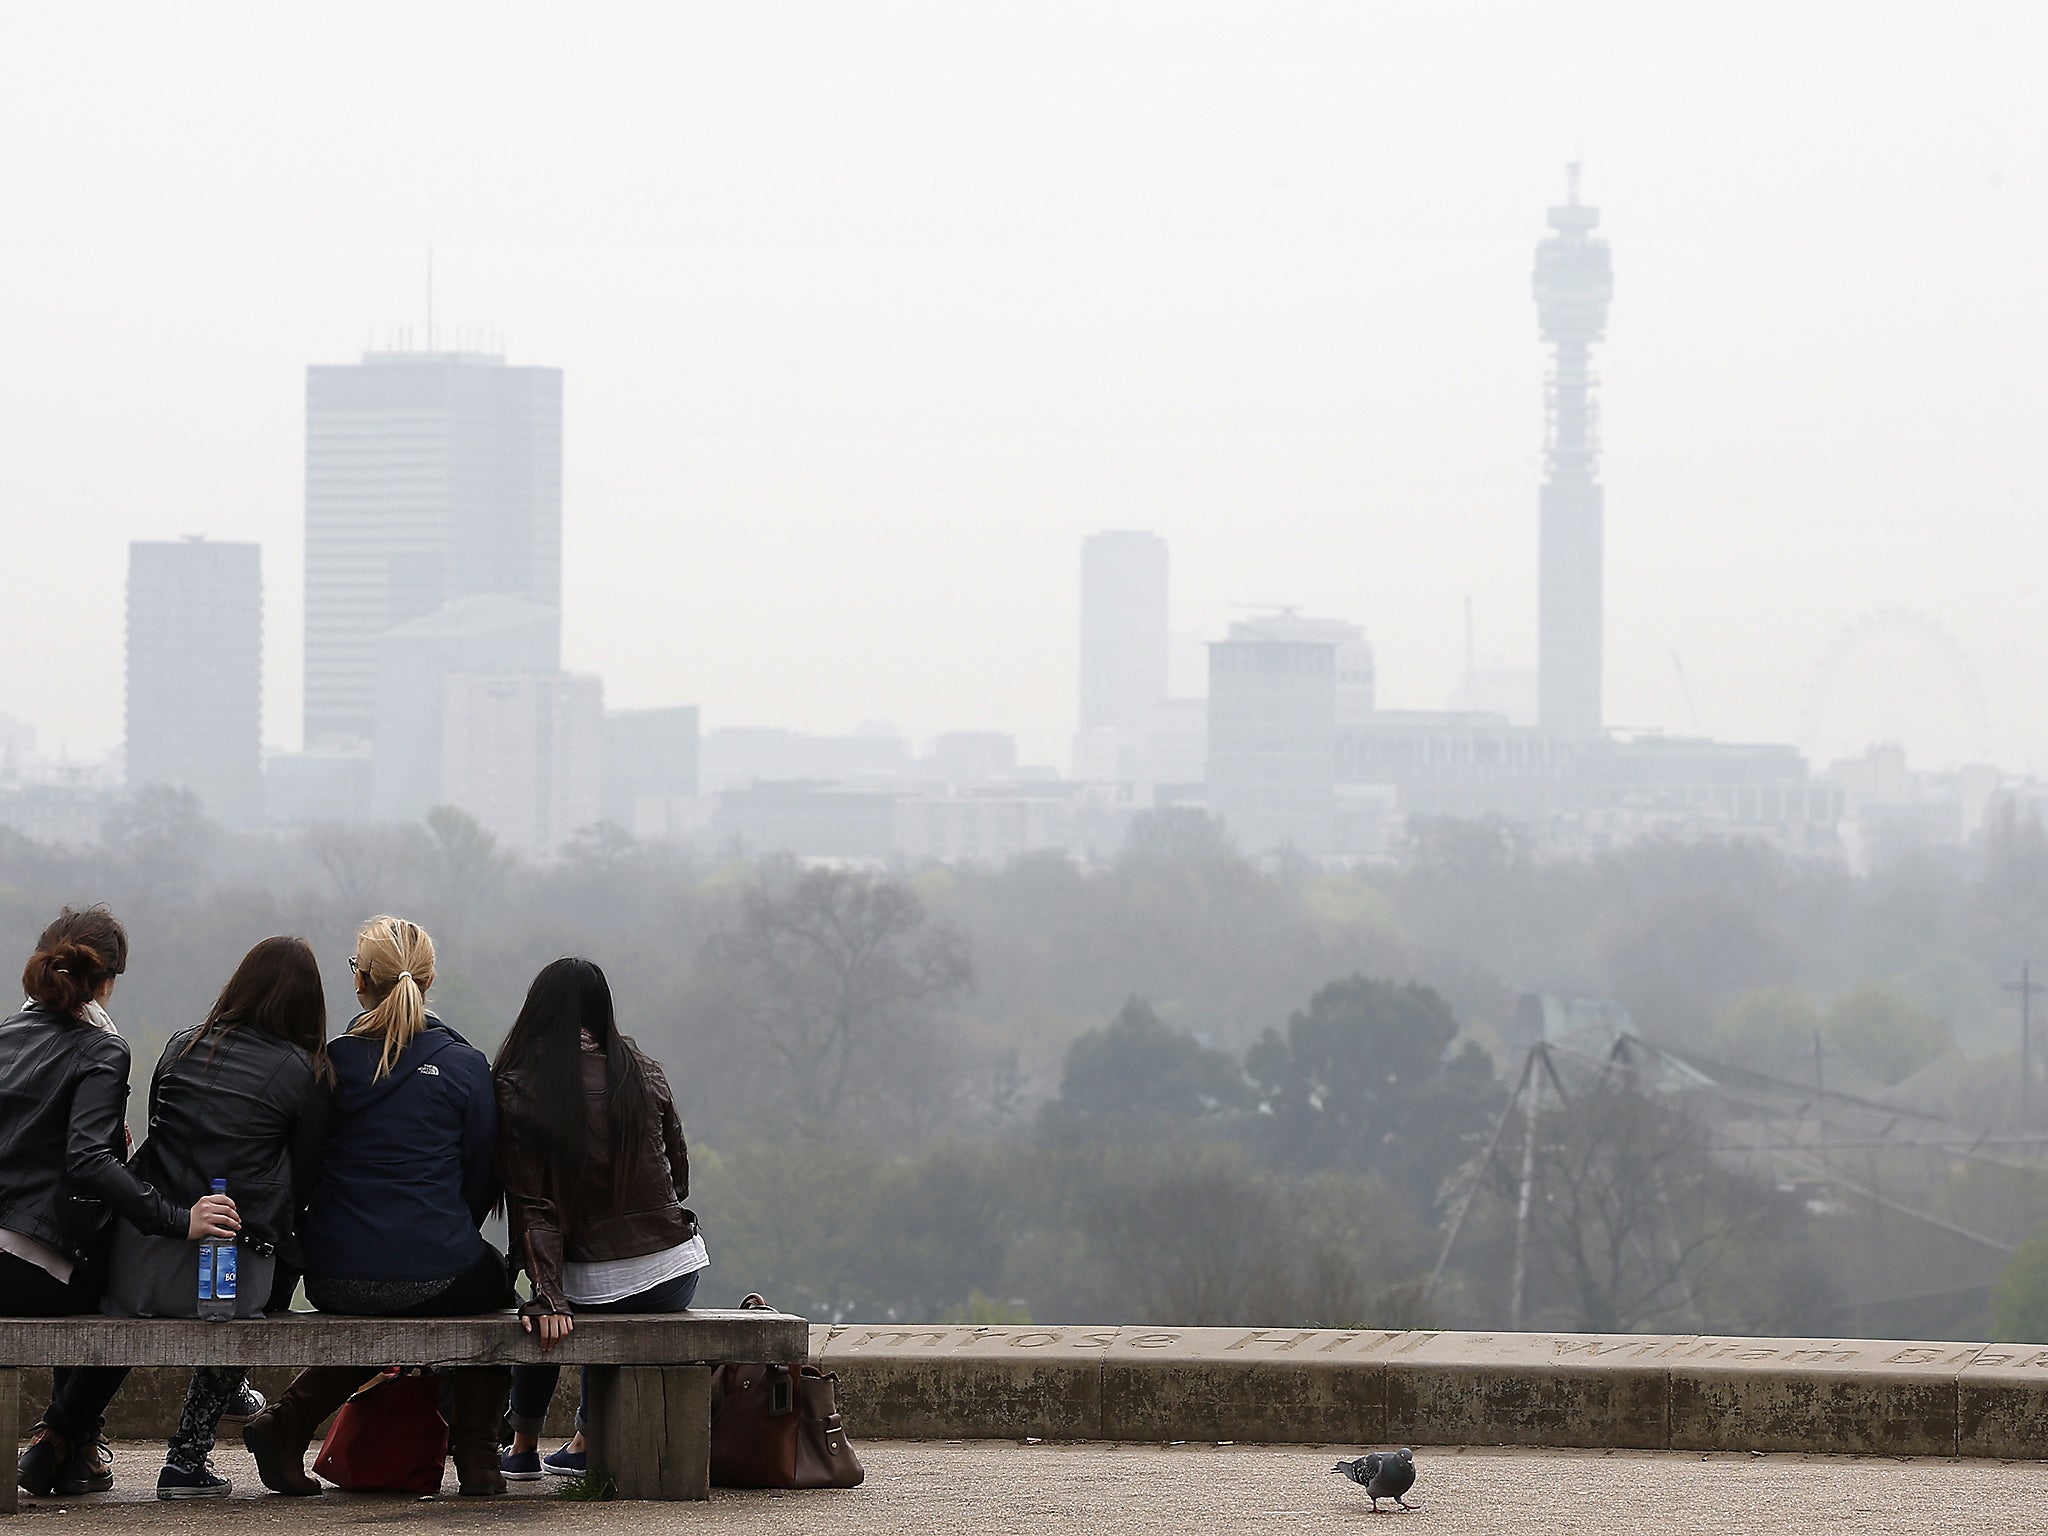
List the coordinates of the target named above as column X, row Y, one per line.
column 65, row 975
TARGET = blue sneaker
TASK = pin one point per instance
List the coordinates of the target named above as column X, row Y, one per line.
column 521, row 1467
column 177, row 1483
column 566, row 1463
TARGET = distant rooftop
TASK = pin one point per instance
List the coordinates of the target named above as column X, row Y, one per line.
column 395, row 359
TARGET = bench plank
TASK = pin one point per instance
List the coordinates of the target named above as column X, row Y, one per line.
column 310, row 1338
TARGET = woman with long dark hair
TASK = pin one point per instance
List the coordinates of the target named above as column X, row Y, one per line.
column 242, row 1096
column 596, row 1173
column 64, row 1171
column 408, row 1175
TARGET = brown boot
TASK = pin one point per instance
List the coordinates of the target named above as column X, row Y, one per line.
column 278, row 1436
column 477, row 1403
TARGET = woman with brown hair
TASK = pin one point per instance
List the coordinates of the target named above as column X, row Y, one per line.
column 64, row 1171
column 241, row 1097
column 407, row 1178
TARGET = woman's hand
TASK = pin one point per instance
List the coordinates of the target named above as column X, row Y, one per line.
column 213, row 1216
column 550, row 1327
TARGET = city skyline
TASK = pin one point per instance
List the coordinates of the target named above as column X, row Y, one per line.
column 861, row 410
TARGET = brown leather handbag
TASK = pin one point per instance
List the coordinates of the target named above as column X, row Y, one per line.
column 778, row 1426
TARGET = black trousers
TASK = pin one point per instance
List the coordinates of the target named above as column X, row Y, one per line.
column 486, row 1286
column 78, row 1403
column 81, row 1393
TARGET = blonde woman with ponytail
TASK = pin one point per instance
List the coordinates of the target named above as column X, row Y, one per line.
column 409, row 1174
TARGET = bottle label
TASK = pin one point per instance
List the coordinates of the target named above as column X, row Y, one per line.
column 224, row 1274
column 206, row 1271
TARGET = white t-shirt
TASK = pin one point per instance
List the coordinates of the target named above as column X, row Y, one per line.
column 602, row 1280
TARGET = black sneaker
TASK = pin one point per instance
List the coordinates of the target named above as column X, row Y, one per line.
column 177, row 1483
column 245, row 1404
column 41, row 1459
column 88, row 1469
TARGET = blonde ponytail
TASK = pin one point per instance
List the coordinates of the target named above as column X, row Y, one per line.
column 395, row 960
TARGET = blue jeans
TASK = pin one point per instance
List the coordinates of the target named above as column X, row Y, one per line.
column 533, row 1386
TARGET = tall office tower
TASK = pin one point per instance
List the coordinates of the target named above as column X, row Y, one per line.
column 1273, row 739
column 195, row 673
column 431, row 477
column 1123, row 648
column 1574, row 281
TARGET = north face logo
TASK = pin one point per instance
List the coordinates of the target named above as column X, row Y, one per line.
column 430, row 1070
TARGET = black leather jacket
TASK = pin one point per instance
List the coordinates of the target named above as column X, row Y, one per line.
column 252, row 1111
column 63, row 1147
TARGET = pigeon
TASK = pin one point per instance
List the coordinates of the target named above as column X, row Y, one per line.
column 1382, row 1474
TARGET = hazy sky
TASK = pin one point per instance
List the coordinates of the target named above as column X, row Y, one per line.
column 869, row 312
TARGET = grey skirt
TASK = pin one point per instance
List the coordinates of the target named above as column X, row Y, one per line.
column 159, row 1277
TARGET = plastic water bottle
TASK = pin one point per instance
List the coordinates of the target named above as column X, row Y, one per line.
column 217, row 1273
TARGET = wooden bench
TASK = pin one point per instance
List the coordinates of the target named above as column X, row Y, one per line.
column 650, row 1398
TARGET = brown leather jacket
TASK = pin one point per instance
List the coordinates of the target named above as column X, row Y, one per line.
column 594, row 1225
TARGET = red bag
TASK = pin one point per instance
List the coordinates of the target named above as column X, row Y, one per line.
column 388, row 1438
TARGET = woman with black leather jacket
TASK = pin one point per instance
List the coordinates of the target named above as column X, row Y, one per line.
column 242, row 1097
column 64, row 1170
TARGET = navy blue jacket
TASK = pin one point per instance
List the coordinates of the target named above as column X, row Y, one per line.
column 411, row 1165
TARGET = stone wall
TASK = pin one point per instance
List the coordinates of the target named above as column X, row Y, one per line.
column 1326, row 1386
column 1657, row 1392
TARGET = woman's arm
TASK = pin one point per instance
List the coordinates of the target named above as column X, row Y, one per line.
column 97, row 1100
column 156, row 1080
column 671, row 1129
column 480, row 1185
column 533, row 1219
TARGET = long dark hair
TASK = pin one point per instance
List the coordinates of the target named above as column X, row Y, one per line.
column 277, row 988
column 569, row 999
column 83, row 950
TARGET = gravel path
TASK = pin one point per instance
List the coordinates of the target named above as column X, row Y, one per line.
column 1001, row 1486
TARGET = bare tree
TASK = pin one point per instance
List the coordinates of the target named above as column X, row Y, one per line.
column 466, row 867
column 837, row 976
column 1631, row 1213
column 362, row 861
column 160, row 838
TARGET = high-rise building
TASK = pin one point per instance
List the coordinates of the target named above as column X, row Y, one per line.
column 524, row 755
column 1123, row 647
column 1573, row 282
column 1273, row 739
column 431, row 477
column 195, row 673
